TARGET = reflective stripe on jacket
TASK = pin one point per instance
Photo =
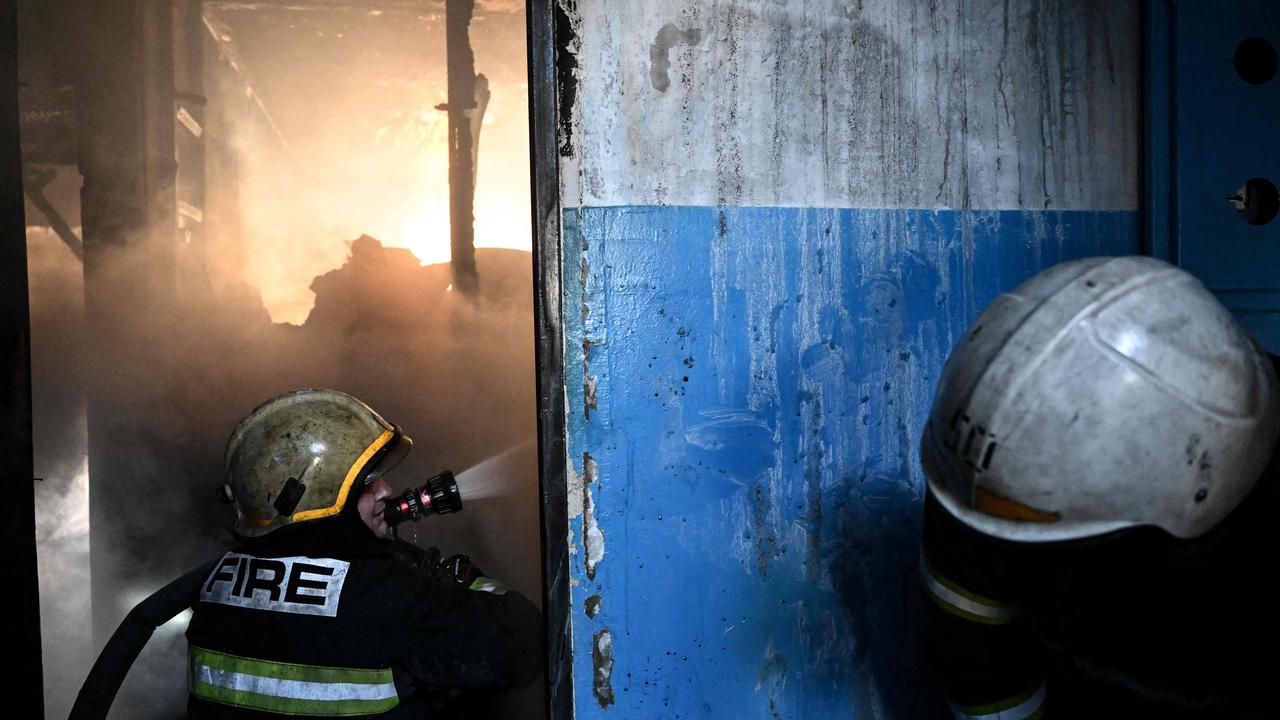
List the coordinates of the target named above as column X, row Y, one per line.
column 330, row 621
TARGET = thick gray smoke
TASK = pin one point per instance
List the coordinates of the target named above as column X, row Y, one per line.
column 134, row 404
column 456, row 373
column 62, row 495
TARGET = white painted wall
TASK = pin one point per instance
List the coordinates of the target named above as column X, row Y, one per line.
column 988, row 104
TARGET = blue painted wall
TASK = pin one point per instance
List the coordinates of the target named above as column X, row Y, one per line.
column 767, row 259
column 760, row 377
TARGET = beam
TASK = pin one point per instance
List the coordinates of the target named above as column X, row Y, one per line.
column 230, row 57
column 190, row 138
column 461, row 107
column 398, row 7
column 128, row 216
column 35, row 184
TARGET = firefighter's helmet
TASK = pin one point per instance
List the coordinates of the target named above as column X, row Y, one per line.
column 301, row 456
column 1101, row 394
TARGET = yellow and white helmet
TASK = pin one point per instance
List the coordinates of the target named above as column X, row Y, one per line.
column 1101, row 394
column 300, row 456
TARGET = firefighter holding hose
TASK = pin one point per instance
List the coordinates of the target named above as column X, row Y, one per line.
column 317, row 611
column 1099, row 523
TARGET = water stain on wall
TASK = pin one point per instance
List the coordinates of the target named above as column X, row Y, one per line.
column 919, row 104
column 660, row 52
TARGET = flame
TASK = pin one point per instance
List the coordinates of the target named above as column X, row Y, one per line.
column 427, row 234
column 385, row 176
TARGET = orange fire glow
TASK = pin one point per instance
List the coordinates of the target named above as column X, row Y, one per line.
column 397, row 190
column 370, row 157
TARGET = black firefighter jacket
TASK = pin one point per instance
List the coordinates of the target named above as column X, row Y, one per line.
column 1135, row 624
column 328, row 621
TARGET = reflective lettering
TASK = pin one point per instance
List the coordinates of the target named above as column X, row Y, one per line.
column 223, row 573
column 297, row 583
column 301, row 585
column 257, row 582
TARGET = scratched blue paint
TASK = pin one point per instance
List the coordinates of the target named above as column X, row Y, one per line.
column 760, row 377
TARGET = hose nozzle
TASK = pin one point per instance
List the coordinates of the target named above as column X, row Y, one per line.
column 439, row 496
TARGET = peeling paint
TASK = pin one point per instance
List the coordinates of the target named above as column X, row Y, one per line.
column 584, row 271
column 592, row 535
column 589, row 395
column 574, row 489
column 591, row 606
column 567, row 21
column 602, row 661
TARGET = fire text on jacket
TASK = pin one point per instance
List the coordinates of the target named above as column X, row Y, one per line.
column 302, row 585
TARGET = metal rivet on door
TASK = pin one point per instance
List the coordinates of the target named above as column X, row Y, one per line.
column 1257, row 201
column 1255, row 60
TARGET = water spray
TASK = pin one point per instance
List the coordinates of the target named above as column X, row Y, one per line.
column 439, row 496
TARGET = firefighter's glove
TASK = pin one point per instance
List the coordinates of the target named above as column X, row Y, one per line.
column 426, row 560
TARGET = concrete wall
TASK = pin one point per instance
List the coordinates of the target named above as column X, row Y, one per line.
column 779, row 216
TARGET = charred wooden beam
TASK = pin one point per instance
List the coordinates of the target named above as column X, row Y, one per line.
column 189, row 139
column 128, row 216
column 364, row 8
column 461, row 107
column 230, row 58
column 35, row 184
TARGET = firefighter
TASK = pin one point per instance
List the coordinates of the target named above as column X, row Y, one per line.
column 316, row 612
column 1100, row 470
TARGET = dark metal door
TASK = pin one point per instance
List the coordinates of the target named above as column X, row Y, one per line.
column 1222, row 119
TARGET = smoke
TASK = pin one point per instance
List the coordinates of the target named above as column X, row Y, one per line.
column 361, row 147
column 456, row 373
column 62, row 534
column 499, row 529
column 293, row 287
column 61, row 462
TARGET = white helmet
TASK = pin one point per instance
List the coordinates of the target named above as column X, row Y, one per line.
column 1101, row 394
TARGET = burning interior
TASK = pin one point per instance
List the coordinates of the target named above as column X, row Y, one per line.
column 227, row 200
